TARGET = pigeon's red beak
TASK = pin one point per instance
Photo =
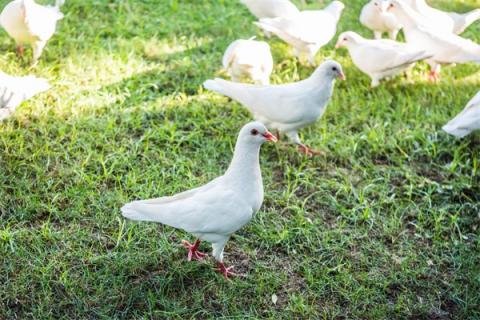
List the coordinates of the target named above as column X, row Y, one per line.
column 341, row 75
column 270, row 137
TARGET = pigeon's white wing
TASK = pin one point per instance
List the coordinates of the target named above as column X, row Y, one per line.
column 229, row 55
column 446, row 47
column 15, row 90
column 41, row 21
column 311, row 27
column 209, row 209
column 466, row 121
column 383, row 55
column 270, row 8
column 278, row 103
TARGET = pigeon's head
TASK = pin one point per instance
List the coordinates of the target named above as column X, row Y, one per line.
column 396, row 6
column 330, row 69
column 348, row 38
column 256, row 132
column 381, row 5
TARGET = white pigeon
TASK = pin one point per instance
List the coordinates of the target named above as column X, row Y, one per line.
column 381, row 58
column 307, row 31
column 29, row 23
column 286, row 107
column 270, row 8
column 249, row 59
column 376, row 17
column 15, row 90
column 444, row 47
column 449, row 21
column 466, row 121
column 213, row 212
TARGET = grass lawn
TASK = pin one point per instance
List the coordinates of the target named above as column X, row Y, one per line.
column 385, row 226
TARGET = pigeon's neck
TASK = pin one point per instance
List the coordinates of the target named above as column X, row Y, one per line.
column 408, row 17
column 245, row 165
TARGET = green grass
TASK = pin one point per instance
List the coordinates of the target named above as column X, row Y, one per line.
column 385, row 226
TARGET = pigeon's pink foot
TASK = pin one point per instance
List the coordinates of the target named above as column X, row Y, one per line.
column 20, row 50
column 193, row 250
column 434, row 76
column 225, row 271
column 307, row 151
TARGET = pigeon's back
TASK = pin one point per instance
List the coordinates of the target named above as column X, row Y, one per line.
column 271, row 8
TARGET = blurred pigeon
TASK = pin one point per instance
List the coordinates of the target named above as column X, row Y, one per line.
column 449, row 21
column 467, row 121
column 249, row 59
column 377, row 18
column 15, row 90
column 213, row 212
column 29, row 23
column 444, row 47
column 380, row 58
column 307, row 31
column 270, row 8
column 286, row 107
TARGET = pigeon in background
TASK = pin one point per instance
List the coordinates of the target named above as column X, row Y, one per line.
column 29, row 23
column 444, row 47
column 380, row 59
column 286, row 107
column 467, row 121
column 376, row 17
column 249, row 59
column 270, row 8
column 449, row 21
column 15, row 90
column 307, row 31
column 213, row 212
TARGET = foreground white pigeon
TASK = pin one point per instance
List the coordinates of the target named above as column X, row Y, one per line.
column 466, row 121
column 270, row 8
column 213, row 212
column 449, row 21
column 376, row 17
column 15, row 90
column 286, row 107
column 249, row 59
column 380, row 59
column 29, row 23
column 444, row 47
column 307, row 31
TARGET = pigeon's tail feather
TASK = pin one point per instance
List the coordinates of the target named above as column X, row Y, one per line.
column 456, row 131
column 265, row 26
column 131, row 211
column 464, row 20
column 227, row 88
column 59, row 3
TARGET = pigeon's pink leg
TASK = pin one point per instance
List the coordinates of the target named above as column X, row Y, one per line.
column 193, row 250
column 309, row 152
column 20, row 50
column 434, row 76
column 225, row 270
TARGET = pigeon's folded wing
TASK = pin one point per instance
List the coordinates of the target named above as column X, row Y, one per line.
column 203, row 210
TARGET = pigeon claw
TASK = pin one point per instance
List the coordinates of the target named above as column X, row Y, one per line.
column 20, row 50
column 193, row 252
column 225, row 270
column 434, row 76
column 307, row 151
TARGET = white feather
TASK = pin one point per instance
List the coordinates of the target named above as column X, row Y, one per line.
column 467, row 121
column 15, row 90
column 249, row 59
column 270, row 8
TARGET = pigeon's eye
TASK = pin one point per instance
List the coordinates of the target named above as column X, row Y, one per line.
column 334, row 69
column 254, row 132
column 345, row 39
